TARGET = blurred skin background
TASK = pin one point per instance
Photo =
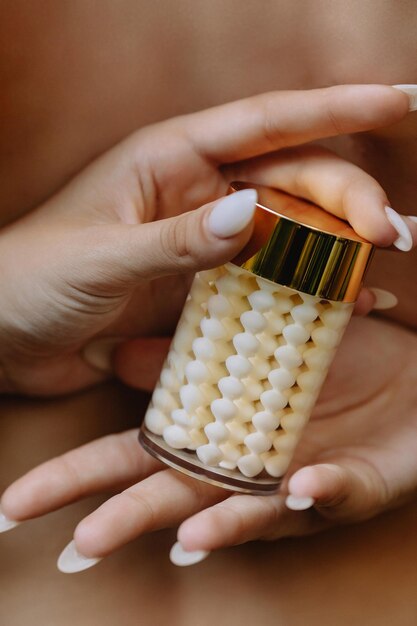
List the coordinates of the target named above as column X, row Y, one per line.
column 78, row 76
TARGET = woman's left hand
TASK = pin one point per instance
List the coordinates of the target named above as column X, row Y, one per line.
column 356, row 459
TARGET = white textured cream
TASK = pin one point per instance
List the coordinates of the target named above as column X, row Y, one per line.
column 244, row 371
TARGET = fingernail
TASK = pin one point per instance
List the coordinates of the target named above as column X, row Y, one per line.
column 182, row 558
column 70, row 561
column 233, row 213
column 299, row 504
column 383, row 299
column 98, row 353
column 404, row 241
column 413, row 218
column 6, row 523
column 411, row 91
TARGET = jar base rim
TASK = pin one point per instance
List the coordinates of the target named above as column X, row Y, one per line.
column 182, row 461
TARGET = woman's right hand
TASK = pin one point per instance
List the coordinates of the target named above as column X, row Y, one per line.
column 111, row 255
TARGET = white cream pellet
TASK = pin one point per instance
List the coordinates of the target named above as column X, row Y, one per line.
column 164, row 400
column 304, row 313
column 295, row 334
column 216, row 432
column 243, row 372
column 209, row 454
column 238, row 366
column 219, row 306
column 265, row 421
column 253, row 321
column 281, row 378
column 231, row 387
column 180, row 417
column 288, row 357
column 191, row 397
column 176, row 436
column 250, row 465
column 273, row 400
column 156, row 421
column 196, row 372
column 212, row 328
column 169, row 381
column 257, row 442
column 223, row 409
column 246, row 344
column 204, row 349
column 261, row 300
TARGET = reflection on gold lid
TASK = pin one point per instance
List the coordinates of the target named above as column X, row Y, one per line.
column 297, row 244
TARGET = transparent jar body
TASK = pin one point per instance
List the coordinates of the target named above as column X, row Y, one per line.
column 245, row 367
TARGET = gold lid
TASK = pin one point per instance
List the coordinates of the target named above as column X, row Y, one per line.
column 297, row 244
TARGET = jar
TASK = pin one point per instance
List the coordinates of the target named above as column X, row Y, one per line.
column 253, row 346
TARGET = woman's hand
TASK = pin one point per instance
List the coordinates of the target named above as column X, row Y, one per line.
column 94, row 261
column 357, row 459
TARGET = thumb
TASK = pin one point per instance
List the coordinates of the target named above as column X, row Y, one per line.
column 192, row 241
column 342, row 492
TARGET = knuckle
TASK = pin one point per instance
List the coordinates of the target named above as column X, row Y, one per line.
column 199, row 493
column 273, row 134
column 179, row 242
column 143, row 506
column 354, row 187
column 336, row 123
column 236, row 521
column 70, row 472
column 173, row 242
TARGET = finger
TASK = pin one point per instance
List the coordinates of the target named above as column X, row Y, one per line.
column 374, row 299
column 196, row 240
column 350, row 491
column 365, row 303
column 340, row 187
column 275, row 120
column 244, row 518
column 47, row 377
column 138, row 362
column 107, row 463
column 160, row 501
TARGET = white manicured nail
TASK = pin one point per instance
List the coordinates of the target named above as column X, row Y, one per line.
column 413, row 218
column 6, row 523
column 411, row 91
column 70, row 561
column 299, row 504
column 405, row 240
column 181, row 557
column 98, row 353
column 233, row 213
column 383, row 299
